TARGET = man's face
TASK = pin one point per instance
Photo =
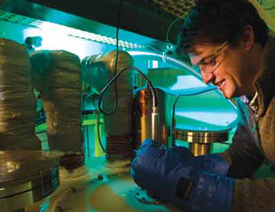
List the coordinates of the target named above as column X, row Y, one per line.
column 229, row 68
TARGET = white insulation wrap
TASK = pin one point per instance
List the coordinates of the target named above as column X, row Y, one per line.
column 17, row 101
column 56, row 75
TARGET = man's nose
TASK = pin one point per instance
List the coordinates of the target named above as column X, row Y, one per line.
column 207, row 76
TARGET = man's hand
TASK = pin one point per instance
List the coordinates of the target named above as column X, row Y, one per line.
column 175, row 175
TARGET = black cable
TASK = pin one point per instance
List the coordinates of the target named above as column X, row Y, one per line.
column 116, row 63
column 150, row 86
column 174, row 121
column 116, row 89
column 98, row 132
column 154, row 104
column 117, row 53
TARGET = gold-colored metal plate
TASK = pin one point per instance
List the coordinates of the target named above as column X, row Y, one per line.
column 203, row 137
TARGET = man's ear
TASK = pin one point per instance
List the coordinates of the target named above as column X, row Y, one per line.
column 248, row 37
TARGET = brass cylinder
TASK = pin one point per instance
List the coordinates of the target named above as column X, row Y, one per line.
column 142, row 109
column 200, row 149
column 200, row 142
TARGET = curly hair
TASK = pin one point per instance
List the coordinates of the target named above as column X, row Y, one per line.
column 217, row 21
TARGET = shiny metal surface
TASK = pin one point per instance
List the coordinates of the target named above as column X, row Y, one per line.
column 204, row 137
column 200, row 149
column 200, row 142
column 142, row 107
column 25, row 178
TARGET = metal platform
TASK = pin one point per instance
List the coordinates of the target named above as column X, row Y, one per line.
column 25, row 178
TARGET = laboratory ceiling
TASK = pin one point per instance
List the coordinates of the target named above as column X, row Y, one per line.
column 151, row 22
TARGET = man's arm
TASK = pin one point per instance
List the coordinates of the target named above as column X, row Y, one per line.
column 254, row 195
column 243, row 156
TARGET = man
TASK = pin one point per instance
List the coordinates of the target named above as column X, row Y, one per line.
column 234, row 50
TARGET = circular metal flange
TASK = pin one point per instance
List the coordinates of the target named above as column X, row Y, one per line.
column 26, row 177
column 202, row 137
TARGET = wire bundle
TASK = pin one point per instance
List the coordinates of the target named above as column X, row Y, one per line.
column 56, row 75
column 17, row 102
